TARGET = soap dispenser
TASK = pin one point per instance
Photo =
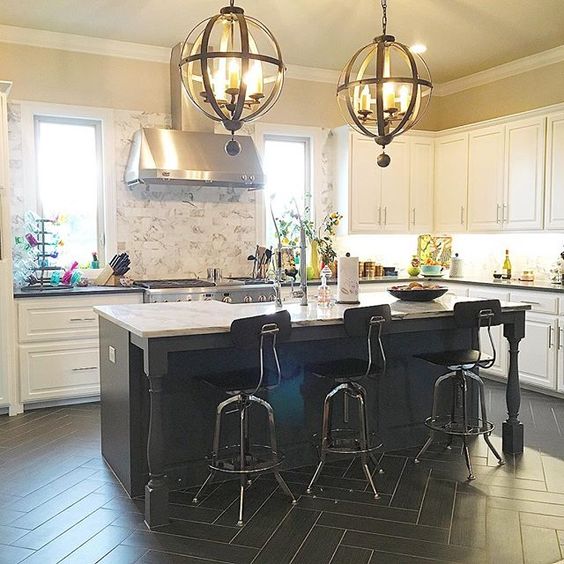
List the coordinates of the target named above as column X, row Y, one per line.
column 324, row 297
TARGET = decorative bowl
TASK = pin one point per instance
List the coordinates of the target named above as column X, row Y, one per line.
column 417, row 294
column 432, row 269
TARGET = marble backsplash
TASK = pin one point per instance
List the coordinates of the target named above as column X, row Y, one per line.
column 168, row 232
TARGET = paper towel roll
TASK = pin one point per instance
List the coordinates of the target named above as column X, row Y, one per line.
column 347, row 280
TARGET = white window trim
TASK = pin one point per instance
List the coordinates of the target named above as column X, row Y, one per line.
column 106, row 118
column 316, row 139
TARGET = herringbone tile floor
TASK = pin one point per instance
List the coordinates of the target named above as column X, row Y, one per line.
column 59, row 503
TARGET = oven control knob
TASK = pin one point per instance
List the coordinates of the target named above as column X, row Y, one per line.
column 208, row 297
column 262, row 298
column 165, row 300
column 247, row 299
column 271, row 298
column 226, row 299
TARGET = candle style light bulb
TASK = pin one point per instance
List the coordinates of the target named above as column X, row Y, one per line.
column 365, row 99
column 404, row 99
column 388, row 87
column 234, row 74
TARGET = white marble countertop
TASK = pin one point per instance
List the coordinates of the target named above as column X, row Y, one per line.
column 208, row 317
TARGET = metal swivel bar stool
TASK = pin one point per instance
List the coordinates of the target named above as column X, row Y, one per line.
column 461, row 365
column 366, row 322
column 245, row 459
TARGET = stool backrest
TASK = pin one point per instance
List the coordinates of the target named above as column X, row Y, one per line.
column 478, row 314
column 368, row 322
column 261, row 333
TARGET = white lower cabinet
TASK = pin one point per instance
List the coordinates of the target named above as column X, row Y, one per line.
column 59, row 370
column 538, row 351
column 58, row 345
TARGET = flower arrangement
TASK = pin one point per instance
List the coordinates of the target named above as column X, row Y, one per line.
column 323, row 235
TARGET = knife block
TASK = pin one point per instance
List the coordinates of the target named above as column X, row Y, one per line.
column 106, row 276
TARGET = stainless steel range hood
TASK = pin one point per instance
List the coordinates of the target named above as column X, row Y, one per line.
column 190, row 154
column 190, row 158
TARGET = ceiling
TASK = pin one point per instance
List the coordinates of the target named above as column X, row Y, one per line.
column 462, row 36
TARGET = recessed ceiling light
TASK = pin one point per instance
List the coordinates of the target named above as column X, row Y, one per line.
column 418, row 48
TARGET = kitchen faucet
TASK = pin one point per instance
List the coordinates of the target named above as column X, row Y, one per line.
column 278, row 269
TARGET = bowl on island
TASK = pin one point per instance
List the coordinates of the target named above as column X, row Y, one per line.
column 431, row 269
column 418, row 292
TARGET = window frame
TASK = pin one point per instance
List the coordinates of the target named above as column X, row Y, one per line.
column 314, row 143
column 31, row 113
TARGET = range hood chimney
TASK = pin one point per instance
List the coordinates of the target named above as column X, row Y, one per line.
column 190, row 154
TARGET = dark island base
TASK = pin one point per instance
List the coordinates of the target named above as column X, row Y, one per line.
column 398, row 402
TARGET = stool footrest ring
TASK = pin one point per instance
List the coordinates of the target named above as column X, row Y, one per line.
column 260, row 458
column 445, row 424
column 347, row 441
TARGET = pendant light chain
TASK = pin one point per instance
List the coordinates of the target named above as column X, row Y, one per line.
column 384, row 16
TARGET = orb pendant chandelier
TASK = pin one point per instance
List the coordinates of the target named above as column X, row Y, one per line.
column 384, row 89
column 232, row 70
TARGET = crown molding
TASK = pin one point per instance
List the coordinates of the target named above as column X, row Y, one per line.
column 83, row 44
column 513, row 68
column 153, row 53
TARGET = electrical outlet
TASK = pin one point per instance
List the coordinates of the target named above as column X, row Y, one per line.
column 112, row 354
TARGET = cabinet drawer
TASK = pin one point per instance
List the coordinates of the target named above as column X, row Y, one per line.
column 45, row 319
column 540, row 302
column 488, row 294
column 59, row 370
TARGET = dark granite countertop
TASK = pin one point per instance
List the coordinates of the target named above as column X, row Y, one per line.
column 86, row 291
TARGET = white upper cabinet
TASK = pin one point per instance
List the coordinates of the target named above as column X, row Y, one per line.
column 421, row 185
column 485, row 179
column 524, row 174
column 451, row 183
column 365, row 213
column 395, row 188
column 555, row 172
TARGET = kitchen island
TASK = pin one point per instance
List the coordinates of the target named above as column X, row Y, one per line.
column 157, row 416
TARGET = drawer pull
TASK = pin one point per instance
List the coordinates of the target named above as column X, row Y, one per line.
column 82, row 319
column 85, row 368
column 550, row 330
column 530, row 303
column 560, row 338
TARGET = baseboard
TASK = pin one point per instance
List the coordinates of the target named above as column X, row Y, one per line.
column 523, row 385
column 59, row 403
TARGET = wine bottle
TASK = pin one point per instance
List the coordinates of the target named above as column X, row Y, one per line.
column 507, row 266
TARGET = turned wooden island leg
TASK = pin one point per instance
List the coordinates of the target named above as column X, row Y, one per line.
column 513, row 435
column 156, row 490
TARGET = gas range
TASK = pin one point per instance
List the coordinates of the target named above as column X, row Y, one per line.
column 193, row 289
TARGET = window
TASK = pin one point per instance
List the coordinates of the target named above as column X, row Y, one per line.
column 69, row 181
column 287, row 164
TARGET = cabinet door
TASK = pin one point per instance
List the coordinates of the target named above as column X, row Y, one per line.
column 555, row 173
column 524, row 174
column 421, row 185
column 485, row 179
column 538, row 351
column 395, row 188
column 365, row 187
column 59, row 370
column 501, row 365
column 451, row 183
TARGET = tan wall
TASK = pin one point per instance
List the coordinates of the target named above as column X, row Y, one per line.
column 534, row 89
column 66, row 77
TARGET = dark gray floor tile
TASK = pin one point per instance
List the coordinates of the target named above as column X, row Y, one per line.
column 198, row 530
column 409, row 492
column 264, row 522
column 123, row 555
column 409, row 547
column 154, row 557
column 13, row 554
column 503, row 536
column 98, row 546
column 288, row 537
column 382, row 527
column 358, row 509
column 192, row 547
column 437, row 505
column 321, row 542
column 351, row 555
column 540, row 546
column 469, row 521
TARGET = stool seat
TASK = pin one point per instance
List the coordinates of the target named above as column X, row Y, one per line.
column 461, row 357
column 341, row 370
column 237, row 382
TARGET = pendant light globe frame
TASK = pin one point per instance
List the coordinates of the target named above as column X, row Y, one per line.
column 377, row 102
column 232, row 70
